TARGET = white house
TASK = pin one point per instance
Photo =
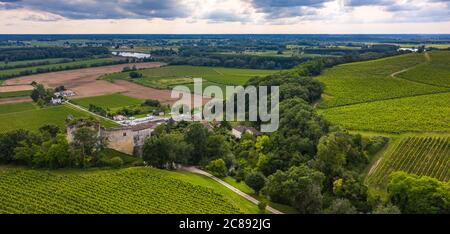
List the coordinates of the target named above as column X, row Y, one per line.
column 56, row 101
column 241, row 130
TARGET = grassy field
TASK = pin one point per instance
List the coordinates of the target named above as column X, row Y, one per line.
column 111, row 101
column 17, row 107
column 434, row 72
column 15, row 94
column 373, row 80
column 25, row 62
column 130, row 190
column 87, row 62
column 421, row 113
column 169, row 76
column 421, row 155
column 405, row 98
column 28, row 116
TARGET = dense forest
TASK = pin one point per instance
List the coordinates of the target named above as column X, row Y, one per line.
column 29, row 53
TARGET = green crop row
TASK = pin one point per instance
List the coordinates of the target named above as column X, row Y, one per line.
column 425, row 156
column 131, row 190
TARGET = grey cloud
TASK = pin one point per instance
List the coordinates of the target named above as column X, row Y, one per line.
column 288, row 8
column 225, row 16
column 105, row 9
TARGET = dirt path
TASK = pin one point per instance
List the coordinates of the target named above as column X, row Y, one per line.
column 143, row 92
column 427, row 56
column 14, row 100
column 82, row 81
column 13, row 88
column 239, row 192
column 73, row 106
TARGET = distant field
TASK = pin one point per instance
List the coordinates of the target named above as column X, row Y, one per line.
column 171, row 76
column 15, row 94
column 28, row 116
column 439, row 46
column 428, row 156
column 421, row 113
column 123, row 191
column 372, row 80
column 274, row 53
column 435, row 72
column 87, row 62
column 24, row 62
column 108, row 101
column 161, row 77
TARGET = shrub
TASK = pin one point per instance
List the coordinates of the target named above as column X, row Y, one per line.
column 217, row 168
column 262, row 207
column 116, row 162
column 135, row 75
column 256, row 181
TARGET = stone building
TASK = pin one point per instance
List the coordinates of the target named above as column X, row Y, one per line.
column 127, row 139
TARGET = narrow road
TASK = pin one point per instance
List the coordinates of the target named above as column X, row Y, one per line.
column 239, row 192
column 85, row 110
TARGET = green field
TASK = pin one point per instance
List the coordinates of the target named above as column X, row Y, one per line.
column 125, row 191
column 28, row 116
column 111, row 101
column 25, row 62
column 87, row 63
column 169, row 76
column 373, row 80
column 435, row 72
column 428, row 156
column 429, row 113
column 15, row 94
column 17, row 107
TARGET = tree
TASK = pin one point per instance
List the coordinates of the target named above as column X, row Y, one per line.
column 135, row 74
column 217, row 168
column 196, row 135
column 165, row 150
column 352, row 188
column 386, row 209
column 419, row 194
column 24, row 153
column 256, row 181
column 89, row 142
column 10, row 140
column 50, row 129
column 216, row 147
column 341, row 206
column 337, row 153
column 59, row 152
column 299, row 187
column 151, row 102
column 38, row 92
column 298, row 134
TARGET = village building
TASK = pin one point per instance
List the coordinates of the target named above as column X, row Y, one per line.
column 241, row 130
column 65, row 93
column 126, row 139
column 56, row 101
column 415, row 50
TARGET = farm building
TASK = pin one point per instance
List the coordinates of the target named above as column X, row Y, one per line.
column 56, row 101
column 65, row 93
column 241, row 130
column 127, row 139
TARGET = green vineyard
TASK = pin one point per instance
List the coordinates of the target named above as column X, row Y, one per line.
column 132, row 190
column 429, row 156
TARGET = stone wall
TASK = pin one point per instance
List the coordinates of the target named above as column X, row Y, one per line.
column 120, row 140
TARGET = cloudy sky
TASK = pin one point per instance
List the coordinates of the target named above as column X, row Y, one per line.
column 224, row 16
